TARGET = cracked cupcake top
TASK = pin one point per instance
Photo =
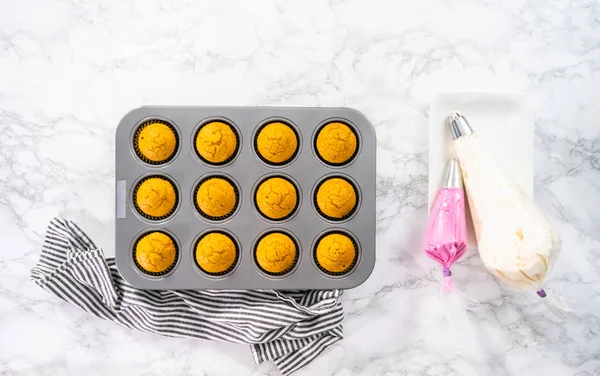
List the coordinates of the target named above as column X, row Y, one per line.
column 216, row 142
column 336, row 198
column 216, row 253
column 156, row 141
column 335, row 253
column 155, row 252
column 276, row 253
column 276, row 142
column 216, row 197
column 276, row 198
column 336, row 143
column 156, row 197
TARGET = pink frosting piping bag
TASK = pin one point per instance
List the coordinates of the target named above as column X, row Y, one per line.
column 445, row 238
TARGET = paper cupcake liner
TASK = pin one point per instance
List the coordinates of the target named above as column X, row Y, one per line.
column 282, row 218
column 233, row 264
column 136, row 145
column 209, row 217
column 155, row 274
column 340, row 163
column 291, row 158
column 237, row 143
column 350, row 213
column 293, row 263
column 352, row 265
column 147, row 216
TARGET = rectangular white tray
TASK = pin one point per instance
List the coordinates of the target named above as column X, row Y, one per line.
column 505, row 122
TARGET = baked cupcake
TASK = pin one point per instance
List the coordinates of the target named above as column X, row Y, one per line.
column 276, row 143
column 156, row 142
column 216, row 253
column 216, row 142
column 336, row 198
column 155, row 253
column 335, row 253
column 276, row 198
column 155, row 197
column 276, row 253
column 216, row 198
column 336, row 143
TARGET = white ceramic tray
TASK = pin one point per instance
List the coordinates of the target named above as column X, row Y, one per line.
column 505, row 123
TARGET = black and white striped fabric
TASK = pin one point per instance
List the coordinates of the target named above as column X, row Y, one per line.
column 289, row 328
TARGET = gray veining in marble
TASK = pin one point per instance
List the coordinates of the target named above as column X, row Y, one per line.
column 69, row 70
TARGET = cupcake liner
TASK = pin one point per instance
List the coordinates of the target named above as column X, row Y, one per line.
column 237, row 143
column 155, row 274
column 282, row 218
column 235, row 261
column 332, row 163
column 293, row 263
column 294, row 154
column 350, row 213
column 141, row 212
column 136, row 145
column 209, row 217
column 352, row 265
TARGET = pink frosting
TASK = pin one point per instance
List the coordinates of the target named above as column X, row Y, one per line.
column 446, row 235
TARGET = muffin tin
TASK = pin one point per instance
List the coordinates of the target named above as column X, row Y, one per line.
column 245, row 170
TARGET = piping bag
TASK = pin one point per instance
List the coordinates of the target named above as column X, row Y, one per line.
column 445, row 238
column 516, row 242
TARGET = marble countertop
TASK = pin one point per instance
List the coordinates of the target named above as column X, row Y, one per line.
column 69, row 70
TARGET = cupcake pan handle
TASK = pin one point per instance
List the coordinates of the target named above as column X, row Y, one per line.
column 121, row 198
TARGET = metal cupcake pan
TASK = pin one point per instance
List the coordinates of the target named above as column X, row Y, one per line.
column 246, row 225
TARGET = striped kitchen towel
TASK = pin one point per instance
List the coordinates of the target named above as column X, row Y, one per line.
column 290, row 328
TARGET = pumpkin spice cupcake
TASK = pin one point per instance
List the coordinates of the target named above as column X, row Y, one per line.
column 216, row 142
column 216, row 253
column 276, row 198
column 336, row 143
column 155, row 197
column 336, row 198
column 276, row 253
column 155, row 253
column 216, row 198
column 335, row 253
column 156, row 142
column 276, row 143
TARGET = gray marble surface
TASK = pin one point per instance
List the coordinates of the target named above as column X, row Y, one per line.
column 69, row 70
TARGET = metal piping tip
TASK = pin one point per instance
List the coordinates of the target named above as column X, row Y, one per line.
column 453, row 176
column 459, row 126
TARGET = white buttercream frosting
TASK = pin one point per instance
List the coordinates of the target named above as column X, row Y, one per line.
column 516, row 242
